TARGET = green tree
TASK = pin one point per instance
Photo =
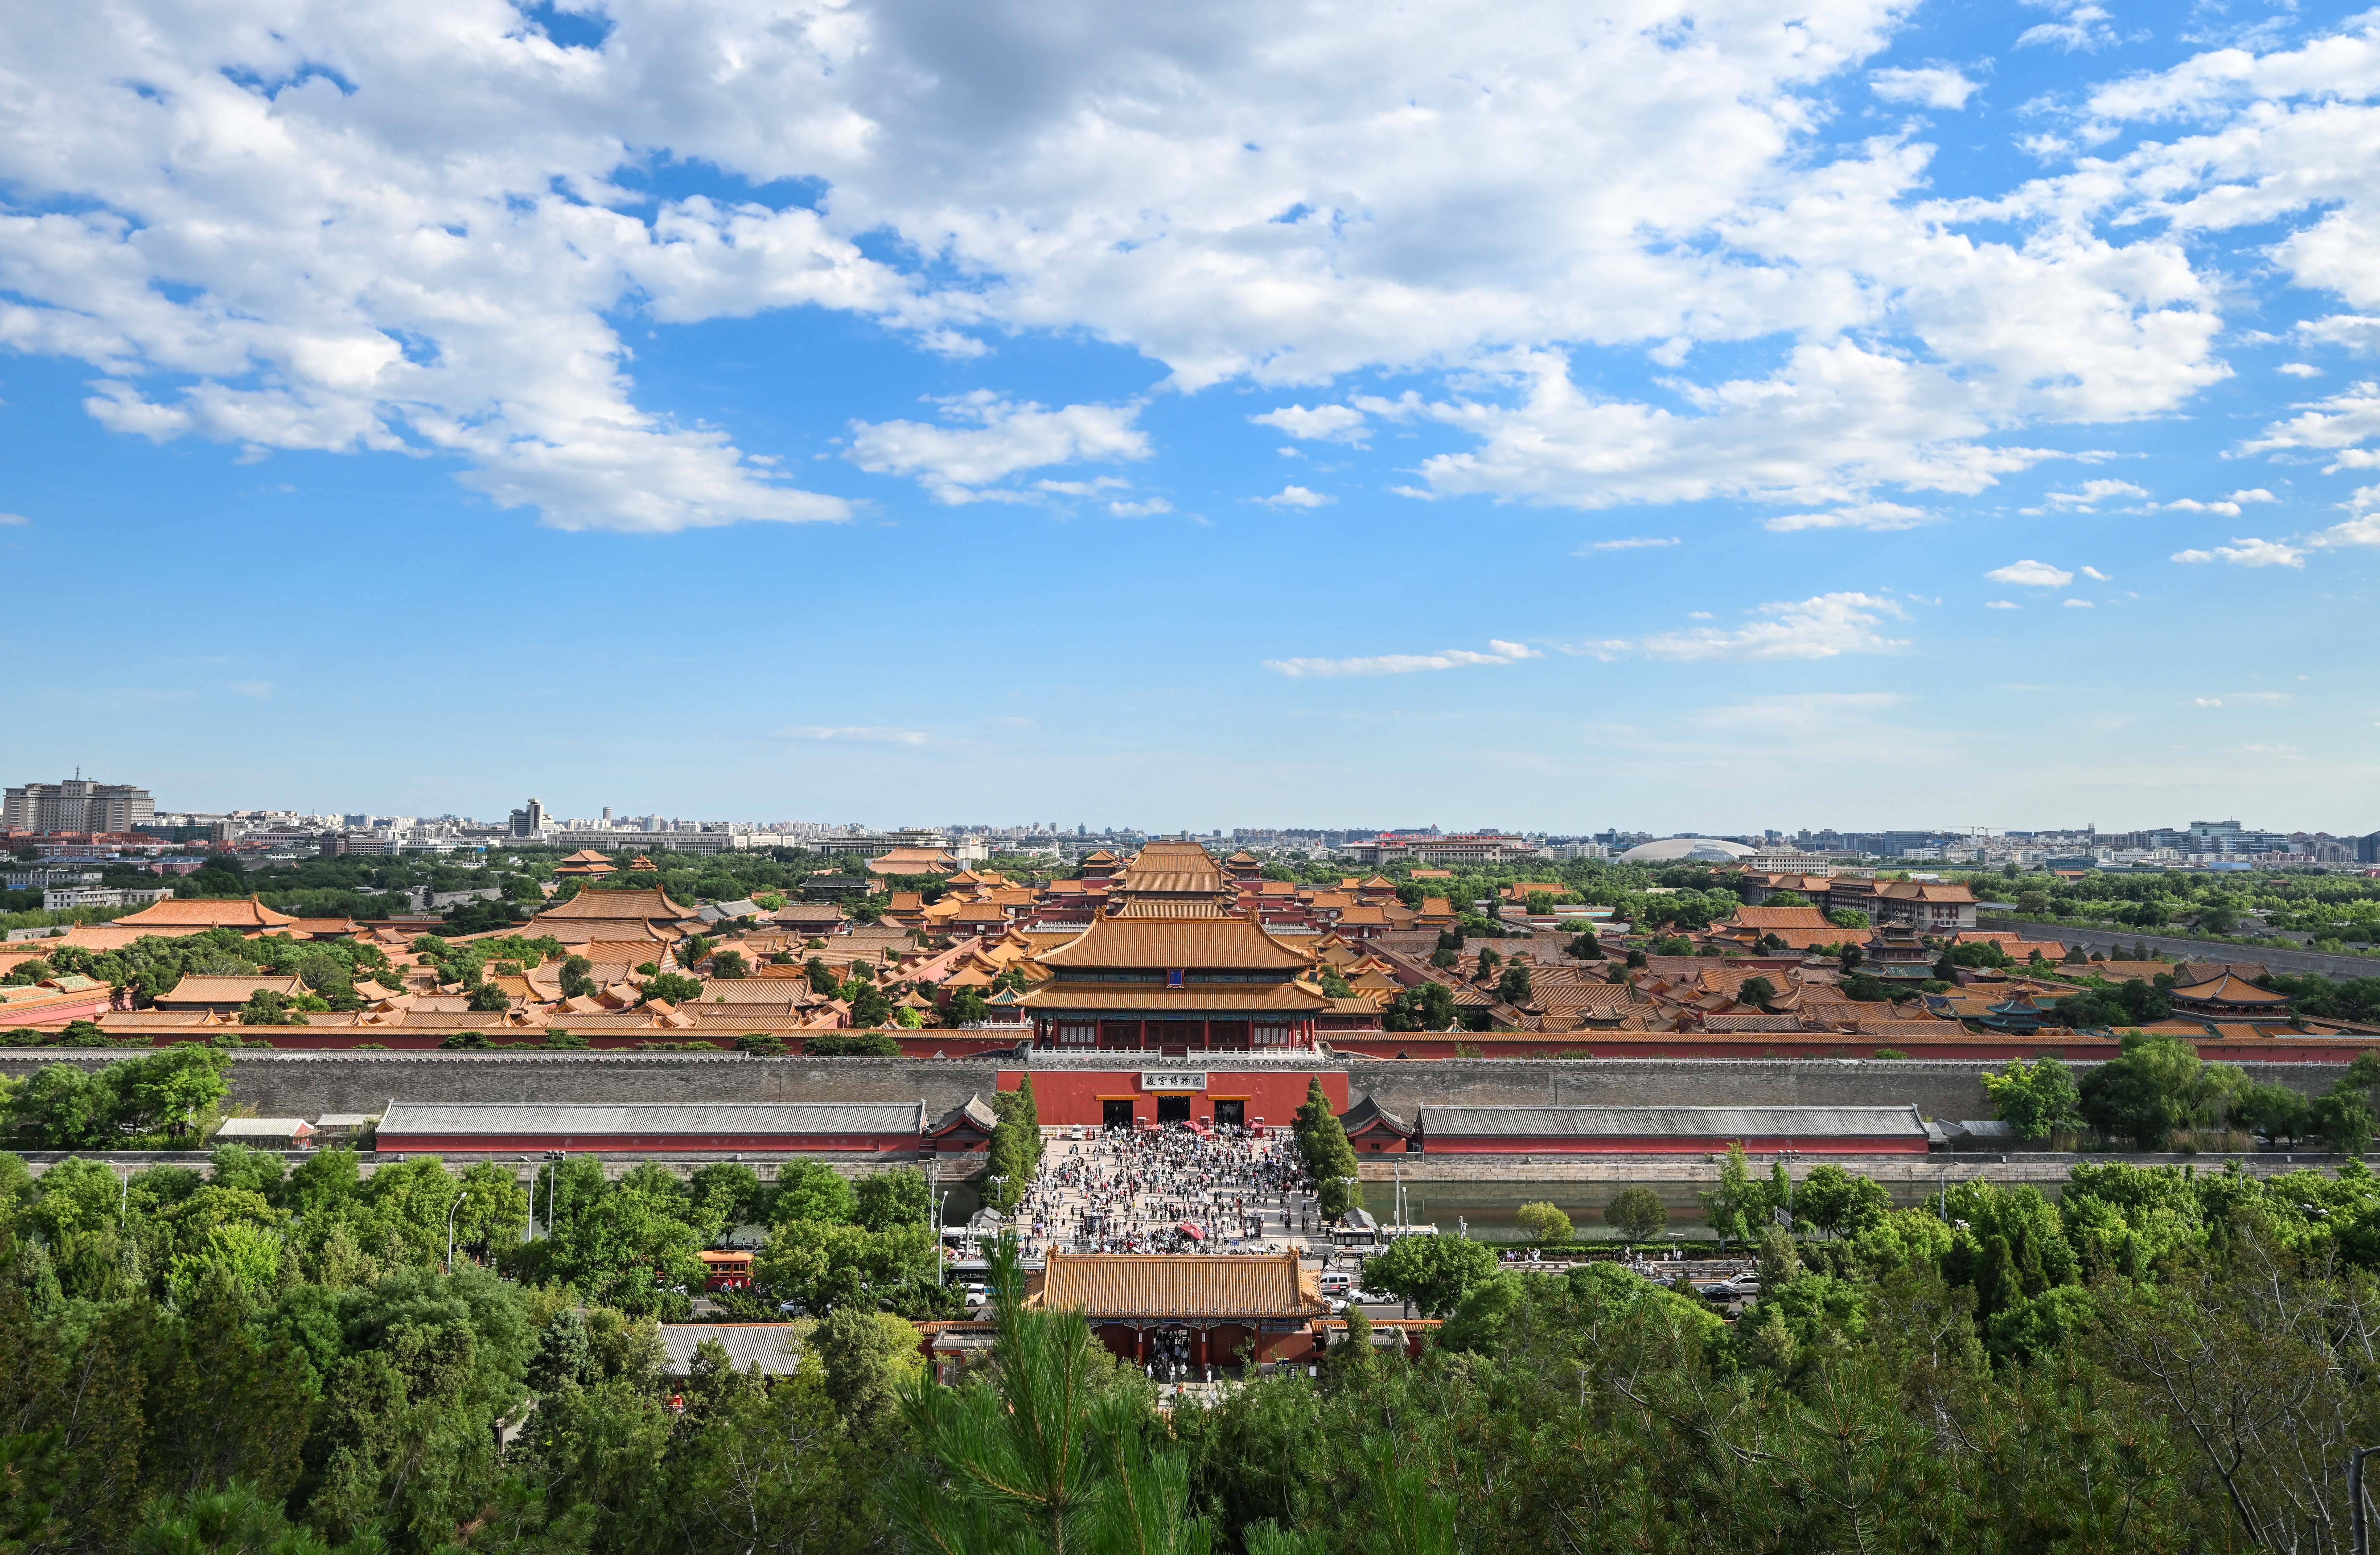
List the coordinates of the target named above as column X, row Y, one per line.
column 1636, row 1213
column 1015, row 1153
column 870, row 1006
column 1736, row 1206
column 1329, row 1158
column 892, row 1197
column 1424, row 1007
column 851, row 1044
column 1838, row 1202
column 270, row 1007
column 1513, row 987
column 2142, row 1095
column 2342, row 1118
column 1755, row 991
column 2036, row 1099
column 811, row 1190
column 578, row 977
column 1542, row 1222
column 1043, row 1452
column 1433, row 1272
column 671, row 986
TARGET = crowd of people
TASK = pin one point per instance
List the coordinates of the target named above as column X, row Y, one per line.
column 1172, row 1190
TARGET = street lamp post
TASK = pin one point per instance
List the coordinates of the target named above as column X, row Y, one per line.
column 552, row 1189
column 529, row 1233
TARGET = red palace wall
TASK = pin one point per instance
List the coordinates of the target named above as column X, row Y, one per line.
column 598, row 1144
column 1620, row 1143
column 1067, row 1097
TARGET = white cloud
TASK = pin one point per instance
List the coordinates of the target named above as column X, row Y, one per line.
column 1328, row 422
column 453, row 257
column 1296, row 496
column 1931, row 86
column 2092, row 493
column 2248, row 554
column 1639, row 542
column 2245, row 698
column 2299, row 369
column 2081, row 25
column 1873, row 516
column 1404, row 664
column 1097, row 486
column 2192, row 505
column 2093, row 574
column 2031, row 575
column 2253, row 493
column 854, row 734
column 984, row 439
column 2002, row 604
column 9, row 520
column 2078, row 604
column 1824, row 627
column 1144, row 508
column 257, row 690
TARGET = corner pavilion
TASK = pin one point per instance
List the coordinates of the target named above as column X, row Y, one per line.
column 1171, row 973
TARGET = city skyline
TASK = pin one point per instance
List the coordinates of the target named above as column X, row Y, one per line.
column 1959, row 409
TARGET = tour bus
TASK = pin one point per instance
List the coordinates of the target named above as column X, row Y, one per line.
column 726, row 1271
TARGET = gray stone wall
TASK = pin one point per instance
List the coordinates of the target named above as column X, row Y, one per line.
column 308, row 1085
column 1937, row 1088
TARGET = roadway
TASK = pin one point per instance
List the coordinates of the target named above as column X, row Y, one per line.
column 2111, row 939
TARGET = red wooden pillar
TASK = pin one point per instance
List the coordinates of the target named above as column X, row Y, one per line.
column 1141, row 1041
column 1206, row 1036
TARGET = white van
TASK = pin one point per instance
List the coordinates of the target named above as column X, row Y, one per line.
column 1337, row 1282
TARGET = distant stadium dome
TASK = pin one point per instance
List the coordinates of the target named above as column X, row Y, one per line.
column 1687, row 850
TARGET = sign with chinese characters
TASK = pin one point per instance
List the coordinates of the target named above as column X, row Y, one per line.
column 1173, row 1080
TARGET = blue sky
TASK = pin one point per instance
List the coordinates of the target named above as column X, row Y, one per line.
column 1638, row 414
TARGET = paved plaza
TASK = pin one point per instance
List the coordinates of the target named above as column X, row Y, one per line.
column 1171, row 1191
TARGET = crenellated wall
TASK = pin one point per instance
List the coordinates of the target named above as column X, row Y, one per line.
column 308, row 1085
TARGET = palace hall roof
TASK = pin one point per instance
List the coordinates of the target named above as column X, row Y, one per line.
column 1198, row 1001
column 236, row 912
column 1178, row 1285
column 1131, row 944
column 1173, row 869
column 632, row 904
column 2228, row 990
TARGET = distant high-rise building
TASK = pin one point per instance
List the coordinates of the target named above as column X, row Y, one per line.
column 76, row 804
column 529, row 821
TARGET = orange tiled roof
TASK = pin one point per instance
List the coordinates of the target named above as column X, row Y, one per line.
column 1178, row 1285
column 616, row 904
column 2228, row 990
column 240, row 913
column 1782, row 918
column 227, row 990
column 1161, row 943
